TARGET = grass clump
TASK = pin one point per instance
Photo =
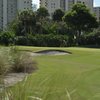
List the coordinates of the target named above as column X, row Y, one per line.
column 5, row 61
column 5, row 65
column 12, row 60
column 23, row 62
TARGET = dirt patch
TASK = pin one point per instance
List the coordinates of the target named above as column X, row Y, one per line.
column 13, row 78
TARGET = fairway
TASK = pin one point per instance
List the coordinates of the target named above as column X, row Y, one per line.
column 62, row 77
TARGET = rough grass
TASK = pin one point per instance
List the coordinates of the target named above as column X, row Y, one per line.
column 5, row 61
column 13, row 60
column 67, row 77
column 23, row 62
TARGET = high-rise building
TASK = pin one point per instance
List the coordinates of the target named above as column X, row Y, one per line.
column 65, row 5
column 1, row 14
column 9, row 10
column 97, row 13
column 51, row 5
column 69, row 4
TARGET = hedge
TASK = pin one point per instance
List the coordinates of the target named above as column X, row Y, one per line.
column 49, row 40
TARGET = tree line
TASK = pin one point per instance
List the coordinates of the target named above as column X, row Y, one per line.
column 75, row 27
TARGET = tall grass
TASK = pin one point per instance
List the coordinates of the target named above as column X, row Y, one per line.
column 5, row 65
column 16, row 94
column 22, row 62
column 5, row 60
column 14, row 61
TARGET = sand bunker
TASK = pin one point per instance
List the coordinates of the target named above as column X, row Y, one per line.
column 50, row 52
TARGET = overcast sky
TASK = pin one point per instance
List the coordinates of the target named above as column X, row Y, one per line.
column 96, row 2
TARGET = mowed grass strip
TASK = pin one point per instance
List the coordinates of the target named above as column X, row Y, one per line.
column 64, row 77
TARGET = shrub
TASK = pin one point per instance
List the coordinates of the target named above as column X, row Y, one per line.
column 92, row 39
column 52, row 40
column 23, row 62
column 22, row 40
column 7, row 38
column 49, row 40
column 12, row 60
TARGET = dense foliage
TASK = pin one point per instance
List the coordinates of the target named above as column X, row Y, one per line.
column 7, row 38
column 49, row 40
column 75, row 27
column 58, row 14
column 80, row 19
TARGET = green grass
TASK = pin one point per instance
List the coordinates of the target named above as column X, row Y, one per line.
column 67, row 77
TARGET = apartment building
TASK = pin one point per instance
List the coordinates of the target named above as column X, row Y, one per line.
column 24, row 5
column 9, row 10
column 1, row 14
column 69, row 4
column 51, row 5
column 97, row 13
column 65, row 5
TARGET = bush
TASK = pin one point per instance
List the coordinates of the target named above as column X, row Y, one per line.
column 23, row 62
column 49, row 40
column 12, row 60
column 22, row 40
column 93, row 39
column 7, row 38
